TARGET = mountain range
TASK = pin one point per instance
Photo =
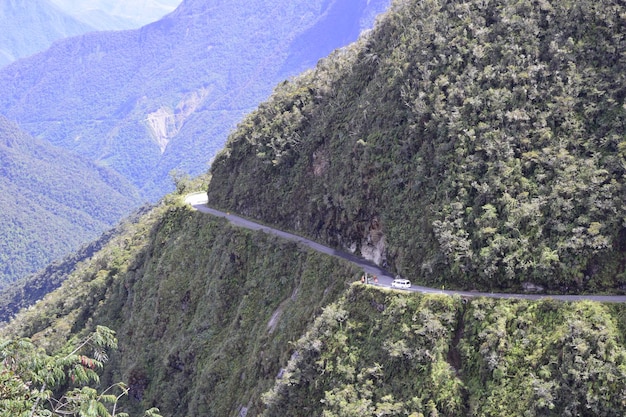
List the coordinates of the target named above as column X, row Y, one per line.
column 117, row 14
column 163, row 97
column 474, row 145
column 30, row 26
column 151, row 102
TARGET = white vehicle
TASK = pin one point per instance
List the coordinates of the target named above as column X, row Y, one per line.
column 401, row 283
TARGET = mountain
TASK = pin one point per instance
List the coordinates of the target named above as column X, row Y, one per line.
column 457, row 150
column 51, row 202
column 454, row 142
column 213, row 320
column 117, row 14
column 164, row 97
column 30, row 26
column 27, row 290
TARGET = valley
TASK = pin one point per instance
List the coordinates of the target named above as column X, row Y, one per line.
column 475, row 148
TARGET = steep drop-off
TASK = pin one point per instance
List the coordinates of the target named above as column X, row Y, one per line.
column 216, row 321
column 473, row 144
column 457, row 150
column 380, row 353
column 205, row 314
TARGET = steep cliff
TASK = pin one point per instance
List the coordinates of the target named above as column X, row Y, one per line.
column 212, row 320
column 482, row 140
column 444, row 143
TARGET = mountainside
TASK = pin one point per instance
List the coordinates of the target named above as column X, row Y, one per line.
column 165, row 96
column 208, row 315
column 474, row 144
column 51, row 202
column 191, row 299
column 30, row 26
column 381, row 353
column 26, row 291
column 466, row 144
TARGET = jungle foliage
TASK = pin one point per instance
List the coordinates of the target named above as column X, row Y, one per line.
column 384, row 353
column 486, row 138
column 24, row 292
column 204, row 312
column 486, row 156
column 212, row 320
column 36, row 384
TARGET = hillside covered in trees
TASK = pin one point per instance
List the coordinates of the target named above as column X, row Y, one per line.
column 213, row 320
column 51, row 202
column 470, row 144
column 443, row 143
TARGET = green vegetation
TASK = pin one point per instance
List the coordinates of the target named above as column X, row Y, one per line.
column 212, row 320
column 387, row 353
column 484, row 140
column 26, row 291
column 475, row 144
column 51, row 202
column 204, row 313
column 30, row 378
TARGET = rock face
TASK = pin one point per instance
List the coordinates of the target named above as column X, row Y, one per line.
column 373, row 245
column 165, row 123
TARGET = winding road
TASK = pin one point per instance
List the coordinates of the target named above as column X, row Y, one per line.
column 199, row 202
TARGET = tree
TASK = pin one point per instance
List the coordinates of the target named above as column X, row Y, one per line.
column 34, row 383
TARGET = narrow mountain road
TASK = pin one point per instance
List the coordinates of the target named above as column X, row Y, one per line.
column 199, row 202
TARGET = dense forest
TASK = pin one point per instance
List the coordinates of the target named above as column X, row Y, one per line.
column 380, row 353
column 470, row 144
column 26, row 291
column 212, row 320
column 204, row 313
column 51, row 202
column 458, row 151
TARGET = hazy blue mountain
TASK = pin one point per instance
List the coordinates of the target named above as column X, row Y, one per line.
column 117, row 14
column 29, row 26
column 165, row 96
column 51, row 202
